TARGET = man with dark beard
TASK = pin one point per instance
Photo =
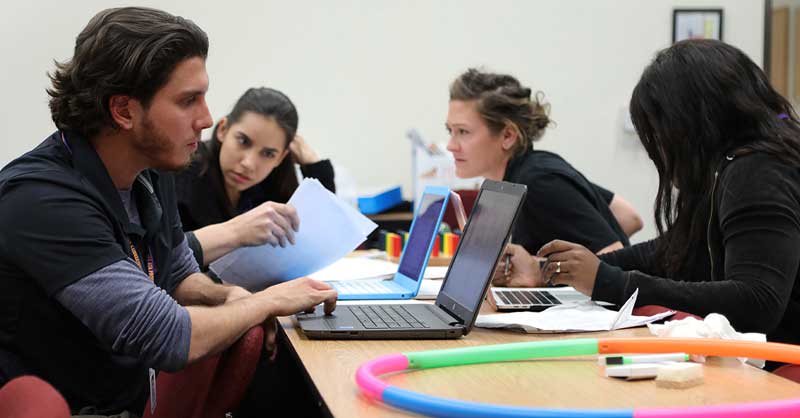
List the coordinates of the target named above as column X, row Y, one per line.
column 98, row 287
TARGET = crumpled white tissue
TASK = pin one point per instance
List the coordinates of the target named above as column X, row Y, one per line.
column 713, row 326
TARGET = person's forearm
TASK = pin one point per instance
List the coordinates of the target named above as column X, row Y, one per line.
column 637, row 257
column 626, row 215
column 217, row 240
column 199, row 289
column 749, row 305
column 216, row 328
column 612, row 247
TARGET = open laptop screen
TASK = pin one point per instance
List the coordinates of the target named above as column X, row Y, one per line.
column 419, row 238
column 489, row 224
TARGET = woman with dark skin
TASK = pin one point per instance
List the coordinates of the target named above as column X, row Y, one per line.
column 727, row 149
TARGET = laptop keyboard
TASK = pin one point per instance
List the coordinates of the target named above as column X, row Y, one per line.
column 385, row 316
column 356, row 287
column 527, row 297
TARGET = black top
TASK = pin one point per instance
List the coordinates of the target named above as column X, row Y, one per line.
column 561, row 204
column 62, row 219
column 203, row 201
column 754, row 242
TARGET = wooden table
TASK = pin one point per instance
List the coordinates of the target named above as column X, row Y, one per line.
column 569, row 383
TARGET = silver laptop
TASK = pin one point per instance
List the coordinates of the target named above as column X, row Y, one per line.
column 534, row 298
column 465, row 283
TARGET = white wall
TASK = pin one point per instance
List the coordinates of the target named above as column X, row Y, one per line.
column 362, row 72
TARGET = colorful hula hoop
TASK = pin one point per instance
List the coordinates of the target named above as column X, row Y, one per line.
column 373, row 387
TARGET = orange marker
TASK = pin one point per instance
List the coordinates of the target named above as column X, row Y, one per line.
column 398, row 245
column 389, row 244
column 454, row 245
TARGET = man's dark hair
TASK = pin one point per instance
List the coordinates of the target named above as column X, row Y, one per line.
column 130, row 51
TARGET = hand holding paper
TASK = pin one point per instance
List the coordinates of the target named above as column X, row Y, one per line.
column 329, row 230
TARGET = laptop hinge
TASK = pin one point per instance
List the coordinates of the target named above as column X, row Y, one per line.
column 450, row 320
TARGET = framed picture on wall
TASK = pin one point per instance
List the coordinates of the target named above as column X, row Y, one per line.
column 696, row 24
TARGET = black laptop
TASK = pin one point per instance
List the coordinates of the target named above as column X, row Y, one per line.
column 465, row 284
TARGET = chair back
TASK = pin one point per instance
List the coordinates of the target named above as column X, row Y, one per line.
column 789, row 371
column 31, row 397
column 212, row 386
column 650, row 310
column 234, row 373
column 468, row 198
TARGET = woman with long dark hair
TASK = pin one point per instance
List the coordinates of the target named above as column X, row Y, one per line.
column 235, row 191
column 727, row 149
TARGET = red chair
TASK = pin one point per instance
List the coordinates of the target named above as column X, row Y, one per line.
column 789, row 371
column 212, row 386
column 468, row 198
column 234, row 373
column 31, row 397
column 183, row 394
column 650, row 310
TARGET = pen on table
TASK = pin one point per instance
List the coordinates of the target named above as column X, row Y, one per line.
column 646, row 358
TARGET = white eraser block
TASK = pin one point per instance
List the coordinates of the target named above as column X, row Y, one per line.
column 634, row 371
column 679, row 375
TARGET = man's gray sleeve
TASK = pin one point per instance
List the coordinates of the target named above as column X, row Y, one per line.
column 183, row 265
column 124, row 309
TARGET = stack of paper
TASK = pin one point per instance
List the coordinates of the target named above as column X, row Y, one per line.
column 578, row 317
column 329, row 230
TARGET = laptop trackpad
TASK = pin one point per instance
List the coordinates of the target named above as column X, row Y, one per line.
column 340, row 319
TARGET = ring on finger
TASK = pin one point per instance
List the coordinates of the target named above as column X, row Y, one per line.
column 558, row 267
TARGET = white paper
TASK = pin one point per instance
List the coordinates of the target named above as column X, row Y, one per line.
column 429, row 289
column 360, row 268
column 435, row 272
column 329, row 230
column 577, row 317
column 356, row 268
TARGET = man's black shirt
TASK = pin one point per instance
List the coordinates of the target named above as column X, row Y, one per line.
column 62, row 219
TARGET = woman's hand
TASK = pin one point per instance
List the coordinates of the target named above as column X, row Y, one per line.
column 302, row 152
column 270, row 222
column 570, row 264
column 523, row 269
